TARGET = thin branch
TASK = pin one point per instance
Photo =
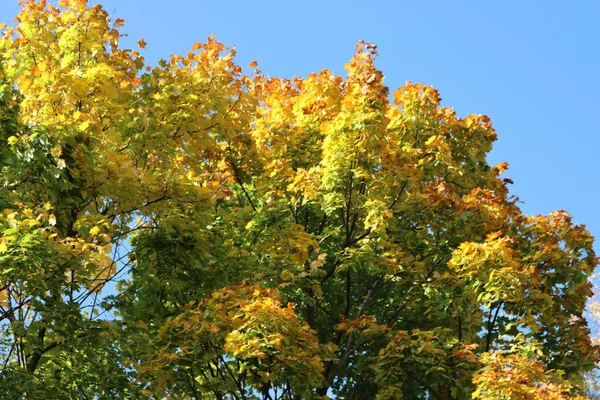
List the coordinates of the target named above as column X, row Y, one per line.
column 344, row 359
column 237, row 383
column 237, row 178
column 8, row 357
column 491, row 323
column 393, row 203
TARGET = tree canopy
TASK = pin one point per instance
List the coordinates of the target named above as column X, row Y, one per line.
column 188, row 230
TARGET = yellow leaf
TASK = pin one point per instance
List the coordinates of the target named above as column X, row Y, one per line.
column 84, row 126
column 13, row 140
column 3, row 247
column 223, row 165
column 434, row 140
column 25, row 83
column 142, row 44
column 56, row 151
column 95, row 230
column 493, row 236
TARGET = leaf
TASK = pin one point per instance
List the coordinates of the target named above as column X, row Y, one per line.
column 119, row 23
column 286, row 275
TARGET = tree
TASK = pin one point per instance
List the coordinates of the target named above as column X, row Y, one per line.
column 271, row 238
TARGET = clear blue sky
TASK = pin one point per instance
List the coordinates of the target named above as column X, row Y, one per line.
column 532, row 66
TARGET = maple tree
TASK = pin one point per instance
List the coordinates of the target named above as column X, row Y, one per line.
column 271, row 238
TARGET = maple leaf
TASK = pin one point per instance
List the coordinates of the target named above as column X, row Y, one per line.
column 119, row 23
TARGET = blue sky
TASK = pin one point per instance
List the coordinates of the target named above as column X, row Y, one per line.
column 531, row 66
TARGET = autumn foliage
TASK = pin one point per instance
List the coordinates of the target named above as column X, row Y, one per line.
column 188, row 230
